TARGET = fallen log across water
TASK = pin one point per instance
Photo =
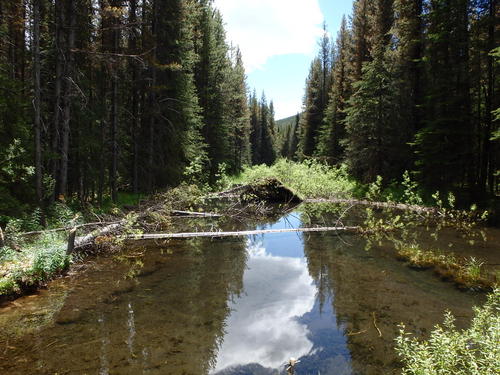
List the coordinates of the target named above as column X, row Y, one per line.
column 89, row 239
column 158, row 236
column 65, row 229
column 193, row 214
column 400, row 206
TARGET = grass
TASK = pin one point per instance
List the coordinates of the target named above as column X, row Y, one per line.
column 308, row 179
column 465, row 272
column 474, row 351
column 38, row 262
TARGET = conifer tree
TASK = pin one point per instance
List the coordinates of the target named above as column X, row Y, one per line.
column 375, row 142
column 237, row 114
column 333, row 130
column 268, row 153
column 443, row 145
column 360, row 43
column 408, row 60
column 294, row 140
column 177, row 118
column 312, row 118
column 256, row 130
column 372, row 134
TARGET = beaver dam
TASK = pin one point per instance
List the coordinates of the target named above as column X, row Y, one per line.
column 241, row 304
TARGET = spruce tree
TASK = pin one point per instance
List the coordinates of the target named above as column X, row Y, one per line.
column 371, row 124
column 268, row 153
column 312, row 118
column 332, row 132
column 237, row 114
column 255, row 130
column 443, row 145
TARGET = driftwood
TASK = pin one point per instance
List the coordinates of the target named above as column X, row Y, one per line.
column 89, row 239
column 233, row 192
column 400, row 206
column 193, row 214
column 157, row 236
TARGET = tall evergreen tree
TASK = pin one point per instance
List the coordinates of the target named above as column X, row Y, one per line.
column 237, row 114
column 312, row 118
column 443, row 145
column 268, row 153
column 360, row 41
column 256, row 130
column 333, row 129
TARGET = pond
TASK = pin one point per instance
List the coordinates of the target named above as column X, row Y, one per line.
column 230, row 306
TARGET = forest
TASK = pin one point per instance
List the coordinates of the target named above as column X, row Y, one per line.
column 104, row 97
column 101, row 97
column 407, row 86
column 156, row 217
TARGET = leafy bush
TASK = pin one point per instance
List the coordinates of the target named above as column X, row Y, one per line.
column 36, row 263
column 310, row 179
column 474, row 351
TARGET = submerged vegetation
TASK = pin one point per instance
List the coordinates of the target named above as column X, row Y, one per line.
column 473, row 351
column 465, row 272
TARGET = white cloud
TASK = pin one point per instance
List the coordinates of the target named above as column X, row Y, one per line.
column 265, row 28
column 263, row 326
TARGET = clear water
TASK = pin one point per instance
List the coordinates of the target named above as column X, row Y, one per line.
column 229, row 306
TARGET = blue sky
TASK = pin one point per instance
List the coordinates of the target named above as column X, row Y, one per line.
column 278, row 39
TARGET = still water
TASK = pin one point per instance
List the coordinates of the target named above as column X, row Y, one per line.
column 229, row 306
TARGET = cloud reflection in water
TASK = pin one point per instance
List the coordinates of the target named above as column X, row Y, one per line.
column 263, row 327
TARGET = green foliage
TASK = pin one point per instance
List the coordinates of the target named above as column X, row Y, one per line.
column 473, row 351
column 37, row 262
column 309, row 178
column 311, row 120
column 374, row 144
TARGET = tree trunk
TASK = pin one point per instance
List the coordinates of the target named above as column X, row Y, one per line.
column 36, row 104
column 115, row 40
column 55, row 131
column 487, row 172
column 134, row 131
column 66, row 102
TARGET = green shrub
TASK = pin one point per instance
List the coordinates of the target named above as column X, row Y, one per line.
column 310, row 179
column 474, row 351
column 38, row 261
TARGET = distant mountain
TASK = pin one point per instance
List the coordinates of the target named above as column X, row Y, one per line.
column 284, row 122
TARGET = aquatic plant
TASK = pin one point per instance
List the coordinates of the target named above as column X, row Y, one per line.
column 473, row 351
column 465, row 272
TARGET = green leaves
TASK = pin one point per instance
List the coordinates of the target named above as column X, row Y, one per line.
column 474, row 351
